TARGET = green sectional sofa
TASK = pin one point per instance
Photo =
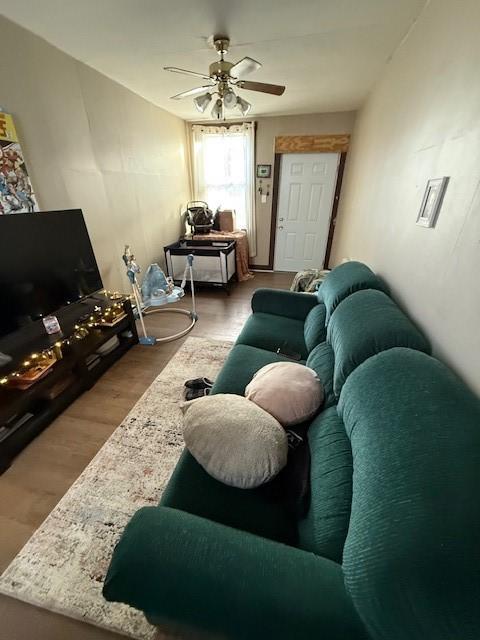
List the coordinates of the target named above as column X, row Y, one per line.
column 388, row 548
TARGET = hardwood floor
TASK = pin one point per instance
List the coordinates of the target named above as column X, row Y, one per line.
column 45, row 470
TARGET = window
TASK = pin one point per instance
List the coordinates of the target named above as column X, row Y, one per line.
column 223, row 170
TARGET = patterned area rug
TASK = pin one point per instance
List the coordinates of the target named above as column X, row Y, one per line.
column 62, row 566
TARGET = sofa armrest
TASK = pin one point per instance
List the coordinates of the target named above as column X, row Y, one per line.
column 183, row 569
column 289, row 304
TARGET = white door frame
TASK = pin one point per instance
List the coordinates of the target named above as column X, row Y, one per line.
column 333, row 215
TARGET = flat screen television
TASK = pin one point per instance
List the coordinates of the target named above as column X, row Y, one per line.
column 46, row 262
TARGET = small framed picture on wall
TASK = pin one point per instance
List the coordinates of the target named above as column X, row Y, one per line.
column 432, row 202
column 264, row 170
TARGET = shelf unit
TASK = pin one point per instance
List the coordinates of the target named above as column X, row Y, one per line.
column 24, row 414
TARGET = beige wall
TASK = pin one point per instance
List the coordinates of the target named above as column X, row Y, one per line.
column 267, row 129
column 92, row 144
column 423, row 121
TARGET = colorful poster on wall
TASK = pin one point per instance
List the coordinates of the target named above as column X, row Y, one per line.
column 16, row 193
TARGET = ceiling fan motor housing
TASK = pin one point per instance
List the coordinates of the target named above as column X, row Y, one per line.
column 220, row 68
column 221, row 44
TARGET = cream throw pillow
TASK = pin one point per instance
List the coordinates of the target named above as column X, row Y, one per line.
column 289, row 391
column 234, row 440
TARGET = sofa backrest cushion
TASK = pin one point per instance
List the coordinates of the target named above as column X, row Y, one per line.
column 325, row 527
column 320, row 293
column 411, row 558
column 314, row 329
column 321, row 360
column 364, row 324
column 345, row 280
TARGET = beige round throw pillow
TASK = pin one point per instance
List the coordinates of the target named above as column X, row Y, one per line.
column 234, row 440
column 290, row 392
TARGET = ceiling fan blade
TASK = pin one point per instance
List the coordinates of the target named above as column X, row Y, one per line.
column 191, row 92
column 244, row 66
column 263, row 87
column 187, row 73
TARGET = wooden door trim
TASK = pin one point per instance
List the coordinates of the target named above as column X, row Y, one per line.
column 273, row 221
column 275, row 192
column 334, row 143
column 333, row 217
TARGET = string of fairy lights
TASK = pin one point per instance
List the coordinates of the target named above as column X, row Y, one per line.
column 98, row 318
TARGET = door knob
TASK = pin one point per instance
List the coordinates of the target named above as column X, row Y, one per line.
column 281, row 226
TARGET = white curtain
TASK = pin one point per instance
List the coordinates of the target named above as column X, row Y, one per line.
column 223, row 161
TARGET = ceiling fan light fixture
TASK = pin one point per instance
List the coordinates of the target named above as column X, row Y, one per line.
column 202, row 102
column 230, row 99
column 217, row 111
column 243, row 106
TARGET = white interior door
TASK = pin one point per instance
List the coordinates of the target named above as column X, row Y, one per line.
column 305, row 200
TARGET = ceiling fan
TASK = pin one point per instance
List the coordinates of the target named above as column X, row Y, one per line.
column 222, row 78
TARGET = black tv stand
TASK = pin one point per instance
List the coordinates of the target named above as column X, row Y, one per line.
column 24, row 414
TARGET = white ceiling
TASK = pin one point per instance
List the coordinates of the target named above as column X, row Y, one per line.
column 327, row 52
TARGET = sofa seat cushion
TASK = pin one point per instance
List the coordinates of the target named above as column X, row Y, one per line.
column 241, row 365
column 314, row 330
column 364, row 324
column 346, row 279
column 321, row 360
column 260, row 511
column 271, row 332
column 325, row 527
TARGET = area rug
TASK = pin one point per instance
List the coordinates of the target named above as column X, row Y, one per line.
column 62, row 566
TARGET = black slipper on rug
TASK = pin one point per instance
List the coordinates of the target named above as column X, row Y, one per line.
column 193, row 394
column 199, row 383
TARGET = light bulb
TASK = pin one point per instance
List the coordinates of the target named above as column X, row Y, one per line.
column 217, row 111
